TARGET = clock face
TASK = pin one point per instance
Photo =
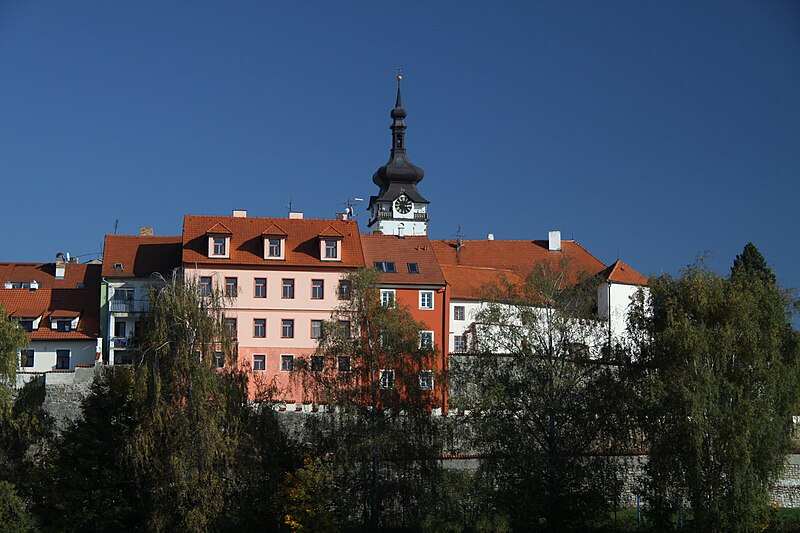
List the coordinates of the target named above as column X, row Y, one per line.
column 403, row 204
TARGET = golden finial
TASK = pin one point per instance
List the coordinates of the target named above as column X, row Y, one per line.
column 399, row 73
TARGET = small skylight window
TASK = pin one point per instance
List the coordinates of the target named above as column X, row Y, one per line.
column 413, row 268
column 118, row 266
column 385, row 266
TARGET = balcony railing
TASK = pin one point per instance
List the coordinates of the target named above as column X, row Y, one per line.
column 129, row 306
column 121, row 342
column 420, row 216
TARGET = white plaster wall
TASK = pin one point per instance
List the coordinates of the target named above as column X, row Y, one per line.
column 82, row 352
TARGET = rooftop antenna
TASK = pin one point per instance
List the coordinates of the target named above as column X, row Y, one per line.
column 350, row 203
column 289, row 206
column 116, row 223
column 459, row 240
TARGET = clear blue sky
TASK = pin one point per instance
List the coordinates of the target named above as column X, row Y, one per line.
column 655, row 131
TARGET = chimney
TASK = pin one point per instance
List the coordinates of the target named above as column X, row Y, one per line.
column 240, row 213
column 490, row 237
column 341, row 216
column 146, row 231
column 61, row 265
column 555, row 241
column 295, row 215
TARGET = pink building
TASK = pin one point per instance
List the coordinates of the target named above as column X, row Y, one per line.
column 285, row 278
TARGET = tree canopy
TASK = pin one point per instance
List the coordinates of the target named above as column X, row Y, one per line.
column 720, row 378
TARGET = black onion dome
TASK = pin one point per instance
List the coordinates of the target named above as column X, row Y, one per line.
column 398, row 169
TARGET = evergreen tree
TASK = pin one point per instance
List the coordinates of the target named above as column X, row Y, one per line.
column 751, row 264
column 720, row 373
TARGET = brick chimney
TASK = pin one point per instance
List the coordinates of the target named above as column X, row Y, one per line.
column 146, row 231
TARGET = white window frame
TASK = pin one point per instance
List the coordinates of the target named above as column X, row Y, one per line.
column 268, row 247
column 388, row 301
column 226, row 239
column 456, row 347
column 422, row 296
column 386, row 380
column 463, row 312
column 426, row 380
column 290, row 364
column 426, row 333
column 323, row 249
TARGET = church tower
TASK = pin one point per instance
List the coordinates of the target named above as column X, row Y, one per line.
column 398, row 208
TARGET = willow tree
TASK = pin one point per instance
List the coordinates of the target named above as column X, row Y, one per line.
column 546, row 401
column 720, row 378
column 371, row 370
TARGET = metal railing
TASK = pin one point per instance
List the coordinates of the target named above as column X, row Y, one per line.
column 128, row 306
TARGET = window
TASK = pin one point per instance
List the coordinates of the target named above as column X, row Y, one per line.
column 426, row 299
column 426, row 380
column 458, row 312
column 287, row 289
column 62, row 359
column 219, row 359
column 123, row 294
column 219, row 245
column 287, row 328
column 344, row 289
column 287, row 363
column 274, row 248
column 459, row 344
column 205, row 286
column 231, row 287
column 316, row 363
column 259, row 327
column 331, row 249
column 343, row 363
column 119, row 329
column 259, row 362
column 413, row 268
column 317, row 289
column 230, row 323
column 27, row 325
column 387, row 297
column 26, row 358
column 387, row 379
column 345, row 326
column 64, row 325
column 316, row 329
column 260, row 289
column 426, row 339
column 385, row 266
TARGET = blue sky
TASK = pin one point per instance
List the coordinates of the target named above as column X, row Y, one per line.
column 650, row 131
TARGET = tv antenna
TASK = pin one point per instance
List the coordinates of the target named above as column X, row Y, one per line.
column 350, row 203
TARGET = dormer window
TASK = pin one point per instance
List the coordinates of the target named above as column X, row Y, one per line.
column 275, row 248
column 331, row 249
column 220, row 246
column 219, row 242
column 27, row 325
column 330, row 244
column 64, row 325
column 274, row 243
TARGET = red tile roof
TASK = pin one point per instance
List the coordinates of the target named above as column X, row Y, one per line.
column 518, row 256
column 56, row 298
column 219, row 229
column 402, row 251
column 620, row 272
column 247, row 247
column 472, row 283
column 140, row 256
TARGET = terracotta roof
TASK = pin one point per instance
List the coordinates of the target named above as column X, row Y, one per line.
column 55, row 298
column 330, row 231
column 519, row 256
column 247, row 246
column 140, row 256
column 219, row 229
column 274, row 230
column 620, row 272
column 401, row 251
column 471, row 283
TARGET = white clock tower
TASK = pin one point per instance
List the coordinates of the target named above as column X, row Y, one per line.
column 399, row 208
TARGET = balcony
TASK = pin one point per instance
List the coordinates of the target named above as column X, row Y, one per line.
column 123, row 343
column 384, row 215
column 128, row 306
column 421, row 216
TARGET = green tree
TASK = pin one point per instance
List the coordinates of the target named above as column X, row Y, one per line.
column 382, row 440
column 309, row 498
column 12, row 339
column 14, row 516
column 719, row 362
column 545, row 402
